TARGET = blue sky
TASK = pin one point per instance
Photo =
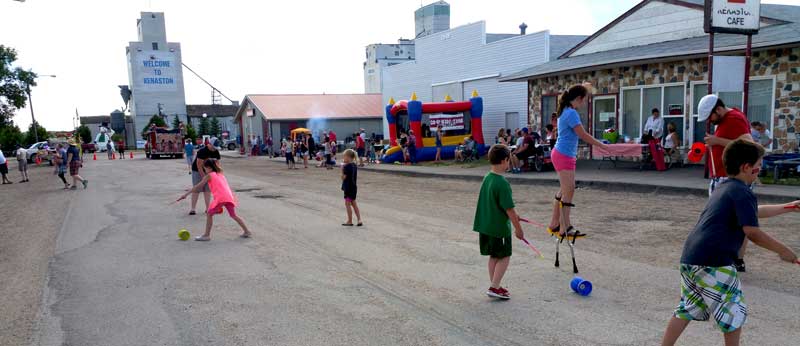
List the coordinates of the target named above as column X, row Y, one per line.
column 243, row 46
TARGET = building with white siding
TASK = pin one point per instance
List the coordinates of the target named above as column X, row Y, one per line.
column 380, row 56
column 455, row 62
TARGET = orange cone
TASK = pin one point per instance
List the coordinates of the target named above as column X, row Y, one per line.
column 38, row 160
column 94, row 157
column 113, row 156
column 131, row 154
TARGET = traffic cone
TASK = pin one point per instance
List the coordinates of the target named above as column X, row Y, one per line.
column 113, row 156
column 131, row 154
column 94, row 157
column 38, row 160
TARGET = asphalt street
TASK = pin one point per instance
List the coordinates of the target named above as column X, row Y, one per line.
column 111, row 270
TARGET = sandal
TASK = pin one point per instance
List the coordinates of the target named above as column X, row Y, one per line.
column 554, row 230
column 202, row 238
column 359, row 224
column 573, row 233
column 245, row 235
column 192, row 212
column 347, row 224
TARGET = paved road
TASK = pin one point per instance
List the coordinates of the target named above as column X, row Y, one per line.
column 411, row 276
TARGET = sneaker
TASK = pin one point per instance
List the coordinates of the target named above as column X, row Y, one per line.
column 497, row 293
column 85, row 182
column 739, row 264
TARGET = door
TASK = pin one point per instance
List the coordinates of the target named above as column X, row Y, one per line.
column 604, row 114
column 512, row 120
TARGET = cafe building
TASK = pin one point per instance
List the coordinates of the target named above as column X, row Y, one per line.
column 656, row 56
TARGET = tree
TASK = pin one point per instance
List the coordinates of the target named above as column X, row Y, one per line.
column 30, row 137
column 155, row 119
column 84, row 133
column 214, row 127
column 204, row 127
column 191, row 133
column 176, row 122
column 14, row 83
column 10, row 137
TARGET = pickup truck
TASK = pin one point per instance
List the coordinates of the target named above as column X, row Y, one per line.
column 41, row 150
column 88, row 147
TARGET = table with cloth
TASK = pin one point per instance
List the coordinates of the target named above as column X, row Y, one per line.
column 617, row 151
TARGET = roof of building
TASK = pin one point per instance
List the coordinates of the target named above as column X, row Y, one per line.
column 770, row 36
column 307, row 106
column 211, row 110
column 95, row 119
column 560, row 44
column 497, row 37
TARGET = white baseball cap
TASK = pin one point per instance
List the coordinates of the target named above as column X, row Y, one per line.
column 705, row 107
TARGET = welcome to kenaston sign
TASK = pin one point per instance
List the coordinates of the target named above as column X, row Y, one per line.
column 733, row 16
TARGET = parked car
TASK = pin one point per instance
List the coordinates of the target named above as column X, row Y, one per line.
column 230, row 144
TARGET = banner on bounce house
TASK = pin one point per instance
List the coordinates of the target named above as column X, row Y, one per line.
column 448, row 122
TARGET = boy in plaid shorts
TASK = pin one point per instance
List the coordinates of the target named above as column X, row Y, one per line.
column 493, row 218
column 710, row 286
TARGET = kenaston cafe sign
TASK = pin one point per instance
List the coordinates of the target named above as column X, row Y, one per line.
column 733, row 16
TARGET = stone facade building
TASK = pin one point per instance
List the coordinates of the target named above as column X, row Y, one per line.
column 656, row 56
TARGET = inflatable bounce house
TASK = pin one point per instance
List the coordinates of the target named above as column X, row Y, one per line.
column 458, row 120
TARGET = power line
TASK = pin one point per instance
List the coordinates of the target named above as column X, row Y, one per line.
column 205, row 81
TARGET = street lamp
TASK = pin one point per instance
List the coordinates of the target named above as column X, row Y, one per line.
column 30, row 103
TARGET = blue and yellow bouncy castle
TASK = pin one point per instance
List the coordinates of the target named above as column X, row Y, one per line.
column 471, row 110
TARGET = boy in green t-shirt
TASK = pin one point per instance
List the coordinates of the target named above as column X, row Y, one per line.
column 494, row 211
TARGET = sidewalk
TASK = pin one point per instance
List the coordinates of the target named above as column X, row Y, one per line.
column 600, row 175
column 603, row 175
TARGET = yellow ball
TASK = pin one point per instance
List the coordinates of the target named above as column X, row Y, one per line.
column 184, row 234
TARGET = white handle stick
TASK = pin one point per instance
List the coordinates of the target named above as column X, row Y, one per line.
column 713, row 168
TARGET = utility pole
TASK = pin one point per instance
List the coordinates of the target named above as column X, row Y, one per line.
column 30, row 103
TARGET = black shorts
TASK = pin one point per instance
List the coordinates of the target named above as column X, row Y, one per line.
column 495, row 247
column 4, row 168
column 360, row 152
column 350, row 194
column 289, row 157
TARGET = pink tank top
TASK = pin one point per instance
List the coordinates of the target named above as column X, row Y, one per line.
column 221, row 191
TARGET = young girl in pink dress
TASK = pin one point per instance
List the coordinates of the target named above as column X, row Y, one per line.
column 222, row 197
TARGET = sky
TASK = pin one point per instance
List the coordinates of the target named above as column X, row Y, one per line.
column 240, row 46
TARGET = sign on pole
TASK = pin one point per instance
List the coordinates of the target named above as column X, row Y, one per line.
column 733, row 16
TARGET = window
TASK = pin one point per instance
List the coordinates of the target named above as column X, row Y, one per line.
column 639, row 102
column 760, row 105
column 548, row 108
column 396, row 53
column 631, row 113
column 155, row 45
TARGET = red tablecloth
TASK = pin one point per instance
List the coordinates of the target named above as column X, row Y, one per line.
column 627, row 150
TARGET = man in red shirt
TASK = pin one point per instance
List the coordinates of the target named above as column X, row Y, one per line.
column 731, row 125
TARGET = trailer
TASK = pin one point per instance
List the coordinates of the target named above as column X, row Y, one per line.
column 162, row 142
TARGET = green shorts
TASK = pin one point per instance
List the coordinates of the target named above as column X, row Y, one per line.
column 494, row 246
column 712, row 291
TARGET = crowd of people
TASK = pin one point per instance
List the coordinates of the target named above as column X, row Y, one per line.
column 66, row 159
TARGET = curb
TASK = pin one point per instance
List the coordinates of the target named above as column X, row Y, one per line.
column 610, row 186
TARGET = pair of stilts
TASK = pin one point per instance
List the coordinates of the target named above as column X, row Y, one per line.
column 570, row 232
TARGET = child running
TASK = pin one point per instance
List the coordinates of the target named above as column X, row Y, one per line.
column 710, row 284
column 349, row 176
column 494, row 211
column 223, row 197
column 565, row 154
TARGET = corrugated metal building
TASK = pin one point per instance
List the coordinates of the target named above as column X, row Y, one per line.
column 457, row 61
column 276, row 115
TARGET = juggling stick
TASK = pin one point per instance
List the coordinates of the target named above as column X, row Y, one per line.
column 532, row 222
column 535, row 250
column 792, row 207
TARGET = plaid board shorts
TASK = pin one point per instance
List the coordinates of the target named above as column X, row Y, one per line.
column 712, row 290
column 74, row 167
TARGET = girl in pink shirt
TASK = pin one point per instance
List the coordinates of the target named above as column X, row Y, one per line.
column 223, row 197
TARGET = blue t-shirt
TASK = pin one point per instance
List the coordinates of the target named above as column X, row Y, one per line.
column 567, row 142
column 719, row 234
column 189, row 149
